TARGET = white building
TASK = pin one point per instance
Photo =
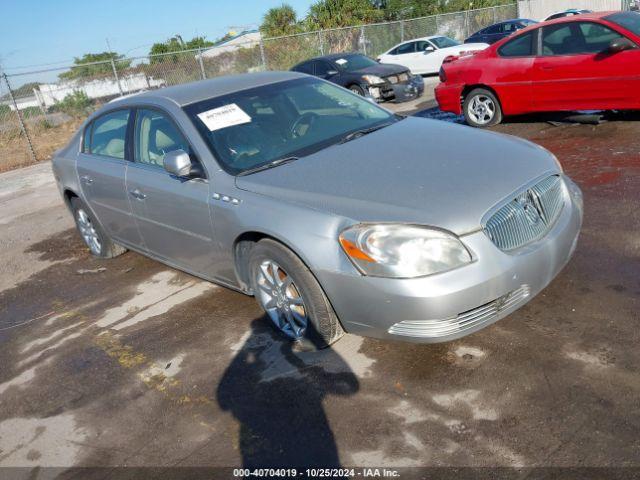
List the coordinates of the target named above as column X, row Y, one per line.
column 247, row 39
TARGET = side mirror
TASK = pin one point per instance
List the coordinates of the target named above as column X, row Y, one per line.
column 331, row 73
column 429, row 49
column 619, row 45
column 178, row 163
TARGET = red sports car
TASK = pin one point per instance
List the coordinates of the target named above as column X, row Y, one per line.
column 584, row 62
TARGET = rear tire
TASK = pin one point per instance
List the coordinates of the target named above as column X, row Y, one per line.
column 481, row 108
column 92, row 233
column 291, row 296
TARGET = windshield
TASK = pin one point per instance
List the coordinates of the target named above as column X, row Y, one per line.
column 351, row 63
column 628, row 20
column 254, row 127
column 444, row 42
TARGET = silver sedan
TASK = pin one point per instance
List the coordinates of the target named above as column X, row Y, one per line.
column 334, row 213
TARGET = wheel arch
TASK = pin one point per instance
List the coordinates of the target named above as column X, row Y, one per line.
column 67, row 195
column 468, row 88
column 242, row 246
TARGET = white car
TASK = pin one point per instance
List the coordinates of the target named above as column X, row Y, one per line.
column 424, row 56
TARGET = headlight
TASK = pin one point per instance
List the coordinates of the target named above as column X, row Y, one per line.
column 402, row 251
column 372, row 79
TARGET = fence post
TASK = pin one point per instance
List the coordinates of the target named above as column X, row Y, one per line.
column 115, row 74
column 402, row 30
column 202, row 72
column 23, row 126
column 466, row 24
column 320, row 43
column 263, row 57
column 494, row 15
column 437, row 26
column 363, row 39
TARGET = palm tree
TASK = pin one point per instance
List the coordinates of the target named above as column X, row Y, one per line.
column 279, row 21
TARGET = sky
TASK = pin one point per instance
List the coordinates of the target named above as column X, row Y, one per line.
column 39, row 32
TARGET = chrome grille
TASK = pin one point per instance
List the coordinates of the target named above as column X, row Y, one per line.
column 463, row 321
column 527, row 217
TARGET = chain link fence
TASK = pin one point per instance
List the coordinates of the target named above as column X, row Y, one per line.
column 40, row 110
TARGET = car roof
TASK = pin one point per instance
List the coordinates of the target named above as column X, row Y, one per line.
column 330, row 57
column 188, row 93
column 580, row 18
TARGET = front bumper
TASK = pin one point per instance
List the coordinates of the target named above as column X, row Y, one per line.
column 398, row 92
column 453, row 304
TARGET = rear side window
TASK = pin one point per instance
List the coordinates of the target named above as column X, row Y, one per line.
column 109, row 134
column 492, row 30
column 521, row 46
column 322, row 68
column 406, row 48
column 305, row 68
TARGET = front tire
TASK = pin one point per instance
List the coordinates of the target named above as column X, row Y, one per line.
column 481, row 108
column 94, row 237
column 291, row 296
column 357, row 89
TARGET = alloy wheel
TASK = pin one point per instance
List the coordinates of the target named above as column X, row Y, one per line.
column 481, row 109
column 281, row 299
column 88, row 232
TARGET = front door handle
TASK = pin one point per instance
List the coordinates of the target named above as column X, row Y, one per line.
column 138, row 194
column 86, row 179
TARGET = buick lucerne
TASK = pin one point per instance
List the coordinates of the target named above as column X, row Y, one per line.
column 327, row 208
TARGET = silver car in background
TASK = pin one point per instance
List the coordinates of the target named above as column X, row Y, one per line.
column 334, row 213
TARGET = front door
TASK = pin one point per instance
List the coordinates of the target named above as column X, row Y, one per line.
column 172, row 213
column 575, row 70
column 101, row 169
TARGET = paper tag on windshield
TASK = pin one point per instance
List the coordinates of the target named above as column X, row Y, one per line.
column 223, row 117
column 341, row 61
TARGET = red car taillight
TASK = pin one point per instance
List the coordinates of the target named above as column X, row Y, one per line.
column 442, row 75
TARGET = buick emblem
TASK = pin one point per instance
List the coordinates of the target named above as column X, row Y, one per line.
column 531, row 212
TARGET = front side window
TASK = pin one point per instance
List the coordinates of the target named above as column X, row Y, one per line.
column 597, row 37
column 109, row 134
column 520, row 46
column 155, row 136
column 323, row 68
column 295, row 118
column 444, row 42
column 86, row 139
column 576, row 38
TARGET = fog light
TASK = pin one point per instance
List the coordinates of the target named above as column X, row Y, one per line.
column 375, row 92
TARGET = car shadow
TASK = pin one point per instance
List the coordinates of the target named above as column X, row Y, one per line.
column 276, row 394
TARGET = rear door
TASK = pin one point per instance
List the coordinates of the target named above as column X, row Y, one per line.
column 512, row 73
column 172, row 213
column 575, row 70
column 101, row 170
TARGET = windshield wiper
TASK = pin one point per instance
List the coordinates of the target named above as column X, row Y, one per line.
column 268, row 165
column 359, row 133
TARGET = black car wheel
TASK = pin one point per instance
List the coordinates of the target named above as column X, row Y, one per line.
column 357, row 89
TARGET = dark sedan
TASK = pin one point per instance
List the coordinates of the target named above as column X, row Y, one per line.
column 365, row 76
column 500, row 30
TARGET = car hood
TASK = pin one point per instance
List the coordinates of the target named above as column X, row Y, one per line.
column 415, row 171
column 382, row 70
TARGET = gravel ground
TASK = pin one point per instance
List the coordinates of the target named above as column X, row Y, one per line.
column 131, row 363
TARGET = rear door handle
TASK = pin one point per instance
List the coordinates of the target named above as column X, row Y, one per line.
column 87, row 179
column 138, row 194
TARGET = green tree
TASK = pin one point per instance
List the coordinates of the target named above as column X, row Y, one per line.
column 341, row 13
column 86, row 66
column 176, row 45
column 279, row 21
